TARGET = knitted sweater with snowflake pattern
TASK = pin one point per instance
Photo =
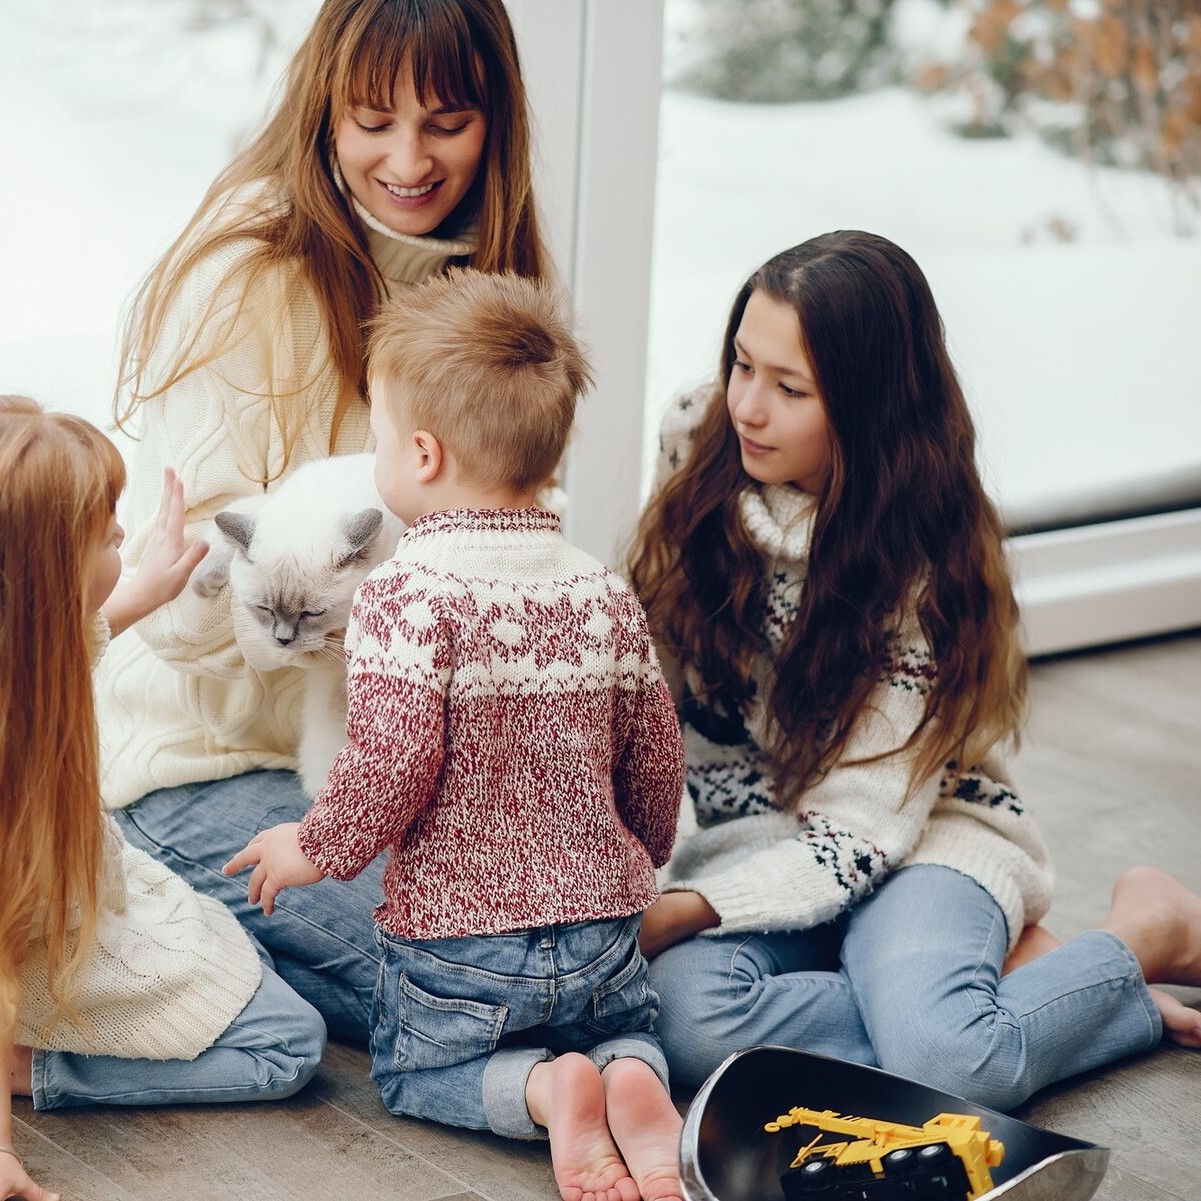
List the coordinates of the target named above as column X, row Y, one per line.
column 511, row 737
column 765, row 868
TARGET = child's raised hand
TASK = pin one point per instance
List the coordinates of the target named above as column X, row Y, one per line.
column 166, row 563
column 278, row 863
column 165, row 566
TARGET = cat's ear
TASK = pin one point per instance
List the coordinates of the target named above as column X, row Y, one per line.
column 237, row 527
column 359, row 529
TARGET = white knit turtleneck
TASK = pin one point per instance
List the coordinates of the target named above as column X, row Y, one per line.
column 178, row 703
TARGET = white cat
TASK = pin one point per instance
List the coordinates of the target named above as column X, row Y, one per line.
column 293, row 558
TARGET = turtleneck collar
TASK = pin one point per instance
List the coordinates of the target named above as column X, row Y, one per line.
column 779, row 519
column 404, row 258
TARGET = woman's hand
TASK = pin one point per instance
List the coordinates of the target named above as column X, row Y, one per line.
column 165, row 566
column 674, row 917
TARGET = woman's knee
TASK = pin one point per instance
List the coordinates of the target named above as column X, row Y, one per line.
column 705, row 998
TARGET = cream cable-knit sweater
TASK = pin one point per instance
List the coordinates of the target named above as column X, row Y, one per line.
column 512, row 741
column 180, row 701
column 169, row 971
column 763, row 869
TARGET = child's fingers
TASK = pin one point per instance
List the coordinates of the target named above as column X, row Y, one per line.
column 254, row 887
column 246, row 857
column 267, row 894
column 176, row 509
column 192, row 556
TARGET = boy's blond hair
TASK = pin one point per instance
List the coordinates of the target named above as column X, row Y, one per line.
column 487, row 363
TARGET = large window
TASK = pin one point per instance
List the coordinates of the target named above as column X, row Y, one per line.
column 1070, row 288
column 1069, row 284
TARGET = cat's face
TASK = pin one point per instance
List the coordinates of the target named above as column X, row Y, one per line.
column 299, row 594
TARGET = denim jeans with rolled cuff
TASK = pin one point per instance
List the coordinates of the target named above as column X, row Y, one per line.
column 459, row 1023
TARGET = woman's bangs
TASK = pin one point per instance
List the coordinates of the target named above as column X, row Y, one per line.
column 435, row 46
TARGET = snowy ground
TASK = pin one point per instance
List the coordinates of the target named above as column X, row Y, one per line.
column 1077, row 356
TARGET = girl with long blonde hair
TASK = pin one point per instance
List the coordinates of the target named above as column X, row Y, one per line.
column 400, row 146
column 825, row 575
column 118, row 984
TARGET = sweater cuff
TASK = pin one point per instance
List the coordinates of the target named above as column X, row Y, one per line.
column 318, row 852
column 764, row 900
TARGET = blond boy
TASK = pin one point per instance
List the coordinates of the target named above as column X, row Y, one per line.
column 514, row 748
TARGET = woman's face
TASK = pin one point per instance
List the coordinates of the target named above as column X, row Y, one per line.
column 773, row 401
column 410, row 166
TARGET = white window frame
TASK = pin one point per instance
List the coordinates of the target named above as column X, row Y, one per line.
column 594, row 72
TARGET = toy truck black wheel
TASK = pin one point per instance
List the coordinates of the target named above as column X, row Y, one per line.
column 812, row 1179
column 827, row 1180
column 929, row 1173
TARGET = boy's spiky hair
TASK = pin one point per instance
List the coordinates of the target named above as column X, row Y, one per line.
column 487, row 362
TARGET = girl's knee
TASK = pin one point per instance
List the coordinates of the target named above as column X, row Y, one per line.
column 984, row 1078
column 296, row 1061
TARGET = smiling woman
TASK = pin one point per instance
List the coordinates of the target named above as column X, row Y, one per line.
column 400, row 145
column 408, row 165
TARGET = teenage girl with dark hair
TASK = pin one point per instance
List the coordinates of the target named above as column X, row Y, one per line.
column 823, row 567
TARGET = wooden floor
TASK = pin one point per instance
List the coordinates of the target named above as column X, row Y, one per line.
column 1112, row 765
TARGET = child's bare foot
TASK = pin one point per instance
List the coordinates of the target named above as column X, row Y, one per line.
column 567, row 1097
column 646, row 1126
column 21, row 1077
column 1160, row 921
column 1181, row 1022
column 1033, row 942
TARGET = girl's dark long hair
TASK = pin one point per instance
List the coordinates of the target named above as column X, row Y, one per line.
column 902, row 523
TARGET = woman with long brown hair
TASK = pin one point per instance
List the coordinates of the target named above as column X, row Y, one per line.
column 400, row 146
column 825, row 577
column 119, row 984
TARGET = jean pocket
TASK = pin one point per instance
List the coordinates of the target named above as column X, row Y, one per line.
column 625, row 1003
column 438, row 1032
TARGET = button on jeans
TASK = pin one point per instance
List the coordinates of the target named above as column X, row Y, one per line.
column 459, row 1023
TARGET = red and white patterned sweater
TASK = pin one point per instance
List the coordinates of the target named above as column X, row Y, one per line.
column 511, row 738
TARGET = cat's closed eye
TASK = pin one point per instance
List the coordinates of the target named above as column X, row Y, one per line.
column 313, row 613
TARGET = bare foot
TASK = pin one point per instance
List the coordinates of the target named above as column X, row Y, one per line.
column 1160, row 921
column 567, row 1097
column 1032, row 942
column 1181, row 1022
column 21, row 1078
column 646, row 1126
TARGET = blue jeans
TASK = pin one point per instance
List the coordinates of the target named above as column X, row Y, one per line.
column 460, row 1023
column 909, row 981
column 321, row 939
column 267, row 1052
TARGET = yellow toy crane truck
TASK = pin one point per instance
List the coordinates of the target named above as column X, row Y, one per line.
column 946, row 1158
